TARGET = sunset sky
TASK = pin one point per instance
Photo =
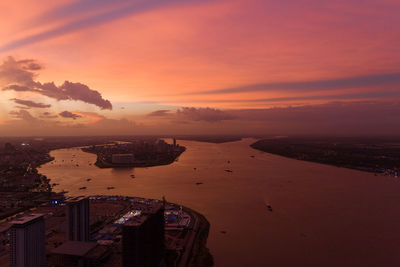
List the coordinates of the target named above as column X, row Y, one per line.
column 199, row 67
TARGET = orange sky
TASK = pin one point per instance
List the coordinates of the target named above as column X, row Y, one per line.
column 230, row 56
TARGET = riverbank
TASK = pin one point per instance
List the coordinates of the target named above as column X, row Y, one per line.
column 209, row 138
column 101, row 163
column 200, row 255
column 364, row 154
column 136, row 154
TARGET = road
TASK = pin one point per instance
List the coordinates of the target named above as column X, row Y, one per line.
column 190, row 239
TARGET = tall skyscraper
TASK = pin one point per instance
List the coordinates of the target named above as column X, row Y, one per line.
column 78, row 219
column 143, row 239
column 27, row 241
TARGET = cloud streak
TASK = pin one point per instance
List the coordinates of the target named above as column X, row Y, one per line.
column 134, row 7
column 48, row 115
column 341, row 83
column 76, row 8
column 23, row 115
column 30, row 104
column 202, row 114
column 350, row 96
column 159, row 113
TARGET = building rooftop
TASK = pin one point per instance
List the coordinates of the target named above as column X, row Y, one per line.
column 76, row 199
column 145, row 213
column 26, row 219
column 5, row 227
column 136, row 221
column 75, row 248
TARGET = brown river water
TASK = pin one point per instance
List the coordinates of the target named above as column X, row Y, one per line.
column 322, row 215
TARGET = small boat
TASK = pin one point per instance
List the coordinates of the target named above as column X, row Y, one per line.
column 82, row 188
column 199, row 183
column 132, row 176
column 252, row 156
column 223, row 232
column 110, row 187
column 194, row 168
column 88, row 179
column 227, row 170
column 269, row 207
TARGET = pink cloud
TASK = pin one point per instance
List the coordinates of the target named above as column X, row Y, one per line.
column 19, row 76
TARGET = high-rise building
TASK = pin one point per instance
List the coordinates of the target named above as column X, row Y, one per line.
column 78, row 219
column 143, row 239
column 27, row 241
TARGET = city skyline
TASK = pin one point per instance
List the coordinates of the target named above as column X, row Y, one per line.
column 199, row 67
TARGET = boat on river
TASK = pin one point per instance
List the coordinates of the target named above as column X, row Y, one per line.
column 269, row 207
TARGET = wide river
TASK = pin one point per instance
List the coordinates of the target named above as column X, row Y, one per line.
column 322, row 215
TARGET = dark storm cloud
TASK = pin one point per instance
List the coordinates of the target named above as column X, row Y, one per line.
column 106, row 11
column 342, row 83
column 20, row 76
column 70, row 115
column 29, row 103
column 203, row 114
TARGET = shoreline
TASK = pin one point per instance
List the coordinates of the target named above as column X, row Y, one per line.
column 104, row 164
column 327, row 153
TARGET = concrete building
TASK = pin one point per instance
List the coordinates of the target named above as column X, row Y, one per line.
column 79, row 254
column 122, row 158
column 143, row 239
column 77, row 210
column 27, row 241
